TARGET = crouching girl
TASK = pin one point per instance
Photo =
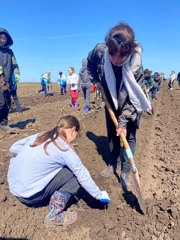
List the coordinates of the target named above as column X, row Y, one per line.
column 46, row 165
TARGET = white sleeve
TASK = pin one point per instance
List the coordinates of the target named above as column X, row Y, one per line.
column 17, row 146
column 83, row 176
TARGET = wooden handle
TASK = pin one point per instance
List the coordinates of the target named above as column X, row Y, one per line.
column 129, row 155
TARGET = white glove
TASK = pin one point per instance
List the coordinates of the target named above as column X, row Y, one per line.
column 104, row 197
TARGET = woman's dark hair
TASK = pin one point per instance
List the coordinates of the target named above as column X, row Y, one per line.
column 121, row 39
column 65, row 122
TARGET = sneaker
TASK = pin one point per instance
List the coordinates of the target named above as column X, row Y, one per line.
column 125, row 180
column 76, row 105
column 71, row 104
column 86, row 110
column 62, row 219
column 107, row 172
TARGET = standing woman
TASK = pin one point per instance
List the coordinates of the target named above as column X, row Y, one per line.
column 116, row 67
column 73, row 82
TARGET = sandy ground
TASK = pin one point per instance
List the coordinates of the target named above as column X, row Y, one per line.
column 157, row 157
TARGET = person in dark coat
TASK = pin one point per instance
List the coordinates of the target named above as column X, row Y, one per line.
column 8, row 70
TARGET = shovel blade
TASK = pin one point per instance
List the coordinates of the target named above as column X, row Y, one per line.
column 139, row 194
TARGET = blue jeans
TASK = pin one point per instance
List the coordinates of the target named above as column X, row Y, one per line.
column 62, row 89
column 43, row 89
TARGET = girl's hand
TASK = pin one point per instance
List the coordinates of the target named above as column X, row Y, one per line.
column 121, row 130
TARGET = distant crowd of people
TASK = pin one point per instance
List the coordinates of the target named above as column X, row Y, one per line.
column 85, row 82
column 153, row 82
column 74, row 82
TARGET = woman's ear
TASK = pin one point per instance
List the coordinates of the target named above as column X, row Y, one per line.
column 74, row 128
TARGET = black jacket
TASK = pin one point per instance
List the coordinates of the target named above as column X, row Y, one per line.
column 7, row 58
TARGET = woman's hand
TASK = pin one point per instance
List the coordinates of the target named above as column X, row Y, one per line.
column 121, row 130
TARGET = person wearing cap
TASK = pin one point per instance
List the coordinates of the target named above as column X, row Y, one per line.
column 8, row 70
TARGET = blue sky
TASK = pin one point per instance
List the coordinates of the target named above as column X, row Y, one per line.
column 53, row 35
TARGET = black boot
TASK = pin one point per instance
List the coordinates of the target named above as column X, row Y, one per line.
column 16, row 101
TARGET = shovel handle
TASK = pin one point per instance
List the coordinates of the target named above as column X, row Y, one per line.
column 122, row 137
column 129, row 155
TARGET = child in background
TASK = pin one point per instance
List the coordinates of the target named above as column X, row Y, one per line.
column 46, row 165
column 157, row 78
column 45, row 79
column 172, row 79
column 62, row 83
column 85, row 82
column 73, row 82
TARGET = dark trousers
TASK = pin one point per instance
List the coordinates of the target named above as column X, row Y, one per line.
column 171, row 83
column 118, row 153
column 5, row 103
column 64, row 181
column 63, row 89
column 43, row 89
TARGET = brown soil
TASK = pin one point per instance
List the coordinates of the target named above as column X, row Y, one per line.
column 157, row 157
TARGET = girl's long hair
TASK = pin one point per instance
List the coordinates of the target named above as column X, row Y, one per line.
column 65, row 122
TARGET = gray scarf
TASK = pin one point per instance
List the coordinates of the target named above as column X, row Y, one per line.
column 136, row 95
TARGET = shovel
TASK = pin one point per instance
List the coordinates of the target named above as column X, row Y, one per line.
column 130, row 157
